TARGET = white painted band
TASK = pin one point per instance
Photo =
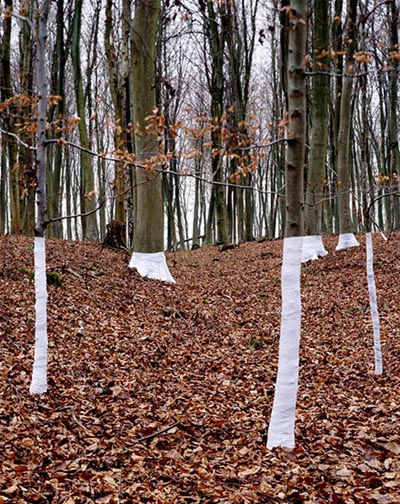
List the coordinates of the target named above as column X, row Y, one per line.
column 39, row 372
column 151, row 266
column 281, row 427
column 313, row 247
column 347, row 240
column 373, row 305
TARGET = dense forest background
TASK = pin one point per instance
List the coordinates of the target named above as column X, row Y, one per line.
column 220, row 118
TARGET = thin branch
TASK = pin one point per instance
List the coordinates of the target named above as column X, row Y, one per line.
column 155, row 434
column 25, row 19
column 16, row 137
column 351, row 76
column 376, row 7
column 101, row 203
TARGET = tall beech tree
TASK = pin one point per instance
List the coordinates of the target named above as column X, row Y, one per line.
column 343, row 139
column 239, row 20
column 216, row 38
column 57, row 113
column 8, row 144
column 281, row 428
column 297, row 120
column 394, row 151
column 149, row 225
column 87, row 192
column 39, row 374
column 319, row 119
column 118, row 74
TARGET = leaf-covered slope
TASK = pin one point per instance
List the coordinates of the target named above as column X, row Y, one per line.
column 131, row 357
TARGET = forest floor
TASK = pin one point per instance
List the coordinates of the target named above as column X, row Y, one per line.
column 164, row 394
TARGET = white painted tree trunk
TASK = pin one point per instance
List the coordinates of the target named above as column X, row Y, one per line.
column 313, row 247
column 373, row 305
column 39, row 374
column 151, row 265
column 347, row 240
column 281, row 427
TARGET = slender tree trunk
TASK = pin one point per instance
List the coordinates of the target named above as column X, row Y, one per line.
column 217, row 42
column 297, row 118
column 55, row 193
column 319, row 129
column 8, row 146
column 39, row 374
column 88, row 199
column 27, row 175
column 343, row 141
column 337, row 46
column 149, row 230
column 393, row 16
column 117, row 79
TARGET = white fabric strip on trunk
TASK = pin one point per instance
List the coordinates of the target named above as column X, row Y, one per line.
column 347, row 240
column 373, row 304
column 313, row 247
column 281, row 426
column 39, row 373
column 151, row 266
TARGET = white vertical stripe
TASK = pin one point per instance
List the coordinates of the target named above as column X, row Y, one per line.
column 373, row 305
column 39, row 374
column 281, row 427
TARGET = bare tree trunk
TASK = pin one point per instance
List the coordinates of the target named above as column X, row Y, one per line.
column 149, row 229
column 26, row 169
column 297, row 118
column 343, row 140
column 217, row 42
column 118, row 70
column 393, row 16
column 58, row 85
column 8, row 146
column 88, row 199
column 319, row 130
column 39, row 374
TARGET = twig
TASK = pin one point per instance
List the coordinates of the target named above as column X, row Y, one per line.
column 16, row 137
column 155, row 434
column 74, row 417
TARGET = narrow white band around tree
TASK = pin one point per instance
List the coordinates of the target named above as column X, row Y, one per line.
column 373, row 305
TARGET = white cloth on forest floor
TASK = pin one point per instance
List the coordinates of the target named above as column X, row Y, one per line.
column 152, row 265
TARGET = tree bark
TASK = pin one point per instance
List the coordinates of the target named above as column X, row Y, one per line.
column 87, row 200
column 394, row 154
column 297, row 118
column 319, row 119
column 149, row 228
column 343, row 140
column 216, row 41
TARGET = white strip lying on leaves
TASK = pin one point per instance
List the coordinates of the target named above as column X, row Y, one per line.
column 373, row 304
column 347, row 240
column 151, row 266
column 281, row 427
column 39, row 373
column 313, row 247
